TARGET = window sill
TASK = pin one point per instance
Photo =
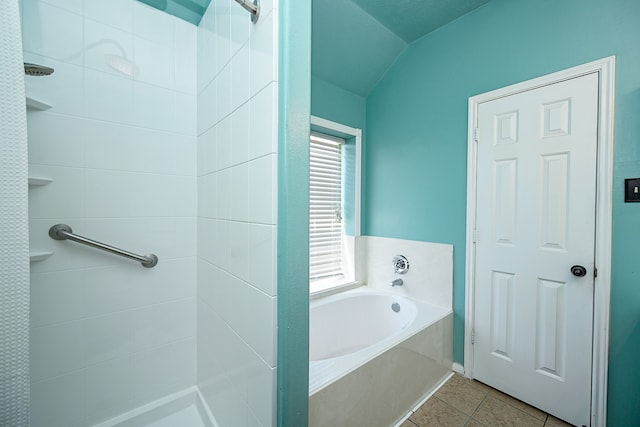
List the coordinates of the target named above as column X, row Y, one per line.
column 326, row 291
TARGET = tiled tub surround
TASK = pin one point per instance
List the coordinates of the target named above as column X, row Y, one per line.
column 430, row 275
column 378, row 383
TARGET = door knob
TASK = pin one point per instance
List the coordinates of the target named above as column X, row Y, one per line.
column 578, row 270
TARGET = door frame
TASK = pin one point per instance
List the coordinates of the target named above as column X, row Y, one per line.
column 604, row 203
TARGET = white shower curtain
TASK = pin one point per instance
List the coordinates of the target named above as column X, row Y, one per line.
column 14, row 231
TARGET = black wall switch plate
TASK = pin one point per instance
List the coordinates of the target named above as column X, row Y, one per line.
column 632, row 190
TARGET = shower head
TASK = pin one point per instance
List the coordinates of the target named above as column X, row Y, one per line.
column 37, row 70
column 120, row 64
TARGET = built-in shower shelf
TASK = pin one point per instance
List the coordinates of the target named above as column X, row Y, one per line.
column 36, row 104
column 37, row 181
column 39, row 255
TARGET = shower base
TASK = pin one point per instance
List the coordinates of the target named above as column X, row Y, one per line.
column 182, row 409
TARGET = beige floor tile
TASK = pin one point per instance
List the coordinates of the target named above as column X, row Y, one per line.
column 497, row 413
column 554, row 422
column 462, row 394
column 434, row 412
column 482, row 386
column 534, row 412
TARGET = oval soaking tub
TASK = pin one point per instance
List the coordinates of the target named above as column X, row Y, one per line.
column 345, row 325
column 382, row 351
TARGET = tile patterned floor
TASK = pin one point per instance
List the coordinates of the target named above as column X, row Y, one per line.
column 465, row 403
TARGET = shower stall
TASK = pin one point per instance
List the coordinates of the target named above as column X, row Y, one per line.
column 152, row 135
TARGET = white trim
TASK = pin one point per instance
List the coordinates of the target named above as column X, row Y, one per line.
column 334, row 290
column 458, row 368
column 604, row 203
column 433, row 391
column 357, row 231
column 357, row 134
column 422, row 401
column 604, row 217
column 335, row 126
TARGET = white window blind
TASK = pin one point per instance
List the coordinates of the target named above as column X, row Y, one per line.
column 325, row 217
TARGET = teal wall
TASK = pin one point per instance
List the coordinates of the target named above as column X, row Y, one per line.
column 417, row 138
column 294, row 107
column 331, row 102
column 336, row 104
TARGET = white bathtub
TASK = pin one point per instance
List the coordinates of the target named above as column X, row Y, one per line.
column 357, row 340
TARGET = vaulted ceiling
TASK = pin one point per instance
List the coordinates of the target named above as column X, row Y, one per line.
column 355, row 42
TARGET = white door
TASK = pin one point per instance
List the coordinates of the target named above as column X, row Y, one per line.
column 535, row 219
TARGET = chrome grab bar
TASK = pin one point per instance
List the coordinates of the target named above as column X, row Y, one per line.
column 253, row 7
column 64, row 232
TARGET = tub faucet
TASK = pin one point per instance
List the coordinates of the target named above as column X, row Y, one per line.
column 397, row 282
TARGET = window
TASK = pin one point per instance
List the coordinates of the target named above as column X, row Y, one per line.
column 325, row 215
column 334, row 215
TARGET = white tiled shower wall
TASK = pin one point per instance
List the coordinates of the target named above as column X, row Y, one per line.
column 237, row 178
column 108, row 335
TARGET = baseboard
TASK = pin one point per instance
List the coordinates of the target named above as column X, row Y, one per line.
column 458, row 368
column 424, row 399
